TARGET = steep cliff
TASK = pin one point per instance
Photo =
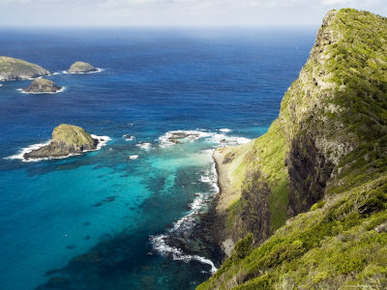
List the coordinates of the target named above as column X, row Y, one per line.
column 322, row 165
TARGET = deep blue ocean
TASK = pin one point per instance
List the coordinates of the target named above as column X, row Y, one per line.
column 103, row 220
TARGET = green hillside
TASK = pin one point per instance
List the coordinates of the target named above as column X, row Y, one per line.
column 308, row 200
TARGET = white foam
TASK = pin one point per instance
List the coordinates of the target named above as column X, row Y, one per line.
column 145, row 146
column 192, row 135
column 228, row 140
column 56, row 73
column 20, row 154
column 133, row 157
column 61, row 90
column 196, row 135
column 102, row 141
column 128, row 137
column 1, row 85
column 159, row 244
column 98, row 70
column 198, row 202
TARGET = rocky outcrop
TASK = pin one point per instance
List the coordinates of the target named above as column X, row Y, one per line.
column 66, row 140
column 42, row 86
column 309, row 196
column 16, row 69
column 80, row 67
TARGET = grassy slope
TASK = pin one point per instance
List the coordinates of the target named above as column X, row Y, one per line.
column 72, row 136
column 14, row 67
column 340, row 100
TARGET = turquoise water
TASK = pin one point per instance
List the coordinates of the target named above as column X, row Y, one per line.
column 121, row 217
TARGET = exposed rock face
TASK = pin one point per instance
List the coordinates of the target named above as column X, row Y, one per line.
column 80, row 67
column 66, row 140
column 17, row 69
column 324, row 157
column 42, row 86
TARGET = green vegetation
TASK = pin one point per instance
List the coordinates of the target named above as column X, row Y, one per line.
column 81, row 67
column 17, row 69
column 72, row 136
column 328, row 146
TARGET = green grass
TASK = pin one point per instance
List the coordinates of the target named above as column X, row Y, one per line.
column 336, row 244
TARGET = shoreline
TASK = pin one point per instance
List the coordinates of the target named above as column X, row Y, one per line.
column 219, row 228
column 225, row 190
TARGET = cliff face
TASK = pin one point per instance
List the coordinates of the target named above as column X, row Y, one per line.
column 17, row 69
column 325, row 155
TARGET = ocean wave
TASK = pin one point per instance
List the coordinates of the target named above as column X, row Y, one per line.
column 145, row 146
column 20, row 154
column 102, row 141
column 61, row 90
column 211, row 175
column 56, row 73
column 133, row 157
column 225, row 130
column 182, row 136
column 228, row 140
column 128, row 137
column 98, row 70
column 159, row 244
column 172, row 137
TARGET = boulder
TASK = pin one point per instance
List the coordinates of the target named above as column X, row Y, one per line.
column 80, row 67
column 42, row 86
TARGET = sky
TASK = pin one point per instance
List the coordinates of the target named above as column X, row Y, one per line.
column 174, row 13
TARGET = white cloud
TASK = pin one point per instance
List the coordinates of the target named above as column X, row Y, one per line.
column 174, row 12
column 335, row 2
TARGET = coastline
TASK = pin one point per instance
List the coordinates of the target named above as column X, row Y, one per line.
column 224, row 197
column 223, row 180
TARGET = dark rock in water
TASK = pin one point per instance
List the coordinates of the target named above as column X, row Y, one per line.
column 57, row 282
column 42, row 86
column 176, row 137
column 66, row 140
column 80, row 67
column 91, row 257
column 16, row 69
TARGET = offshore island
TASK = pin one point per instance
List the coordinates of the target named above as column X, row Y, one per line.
column 66, row 140
column 305, row 205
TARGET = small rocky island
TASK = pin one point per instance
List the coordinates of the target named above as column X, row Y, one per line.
column 66, row 140
column 12, row 69
column 81, row 67
column 42, row 86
